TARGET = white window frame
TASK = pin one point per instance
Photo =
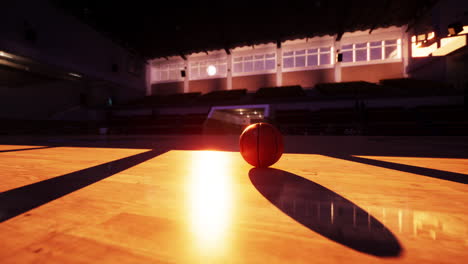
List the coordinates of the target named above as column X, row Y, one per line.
column 167, row 67
column 253, row 60
column 398, row 46
column 307, row 49
column 202, row 64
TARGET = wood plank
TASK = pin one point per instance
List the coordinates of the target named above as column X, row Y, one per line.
column 211, row 207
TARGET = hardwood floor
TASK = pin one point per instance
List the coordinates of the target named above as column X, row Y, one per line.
column 67, row 204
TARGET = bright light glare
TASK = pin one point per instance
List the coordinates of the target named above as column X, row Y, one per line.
column 431, row 35
column 448, row 45
column 210, row 198
column 418, row 51
column 74, row 75
column 211, row 70
column 3, row 54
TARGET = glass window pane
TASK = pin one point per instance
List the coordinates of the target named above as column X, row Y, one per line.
column 345, row 47
column 174, row 75
column 238, row 59
column 257, row 57
column 259, row 66
column 361, row 45
column 391, row 42
column 300, row 52
column 238, row 67
column 288, row 62
column 391, row 52
column 164, row 76
column 289, row 53
column 327, row 49
column 156, row 75
column 221, row 69
column 325, row 58
column 376, row 53
column 248, row 58
column 347, row 56
column 312, row 50
column 300, row 61
column 361, row 55
column 312, row 60
column 193, row 70
column 271, row 55
column 270, row 64
column 376, row 43
column 248, row 66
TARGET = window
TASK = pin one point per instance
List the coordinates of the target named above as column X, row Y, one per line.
column 361, row 51
column 307, row 57
column 254, row 63
column 372, row 51
column 376, row 50
column 198, row 69
column 391, row 49
column 167, row 72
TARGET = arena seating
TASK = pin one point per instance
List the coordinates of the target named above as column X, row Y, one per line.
column 416, row 87
column 349, row 89
column 160, row 124
column 444, row 119
column 213, row 126
column 155, row 100
column 47, row 127
column 297, row 122
column 283, row 92
column 223, row 96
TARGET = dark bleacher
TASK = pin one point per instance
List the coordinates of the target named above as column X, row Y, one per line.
column 47, row 127
column 390, row 121
column 443, row 119
column 416, row 87
column 160, row 124
column 162, row 100
column 297, row 122
column 349, row 89
column 223, row 96
column 283, row 92
column 337, row 121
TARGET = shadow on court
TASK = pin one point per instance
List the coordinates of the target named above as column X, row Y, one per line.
column 342, row 147
column 20, row 200
column 439, row 174
column 13, row 150
column 325, row 212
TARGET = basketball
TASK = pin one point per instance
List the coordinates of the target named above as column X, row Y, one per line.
column 261, row 145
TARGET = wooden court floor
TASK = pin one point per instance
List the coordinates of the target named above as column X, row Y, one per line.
column 97, row 202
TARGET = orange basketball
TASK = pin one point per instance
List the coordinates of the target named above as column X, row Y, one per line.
column 261, row 144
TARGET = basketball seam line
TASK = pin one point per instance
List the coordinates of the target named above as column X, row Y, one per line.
column 276, row 141
column 258, row 145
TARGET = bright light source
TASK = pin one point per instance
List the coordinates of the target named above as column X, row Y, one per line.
column 3, row 54
column 74, row 74
column 210, row 199
column 431, row 35
column 418, row 51
column 211, row 70
column 449, row 45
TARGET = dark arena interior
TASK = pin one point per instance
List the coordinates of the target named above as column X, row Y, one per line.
column 121, row 136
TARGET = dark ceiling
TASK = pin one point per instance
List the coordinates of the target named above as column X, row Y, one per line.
column 159, row 29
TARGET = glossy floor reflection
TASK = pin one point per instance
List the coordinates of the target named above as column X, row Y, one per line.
column 325, row 212
column 111, row 205
column 210, row 199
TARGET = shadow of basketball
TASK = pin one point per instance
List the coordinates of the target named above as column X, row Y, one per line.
column 325, row 212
